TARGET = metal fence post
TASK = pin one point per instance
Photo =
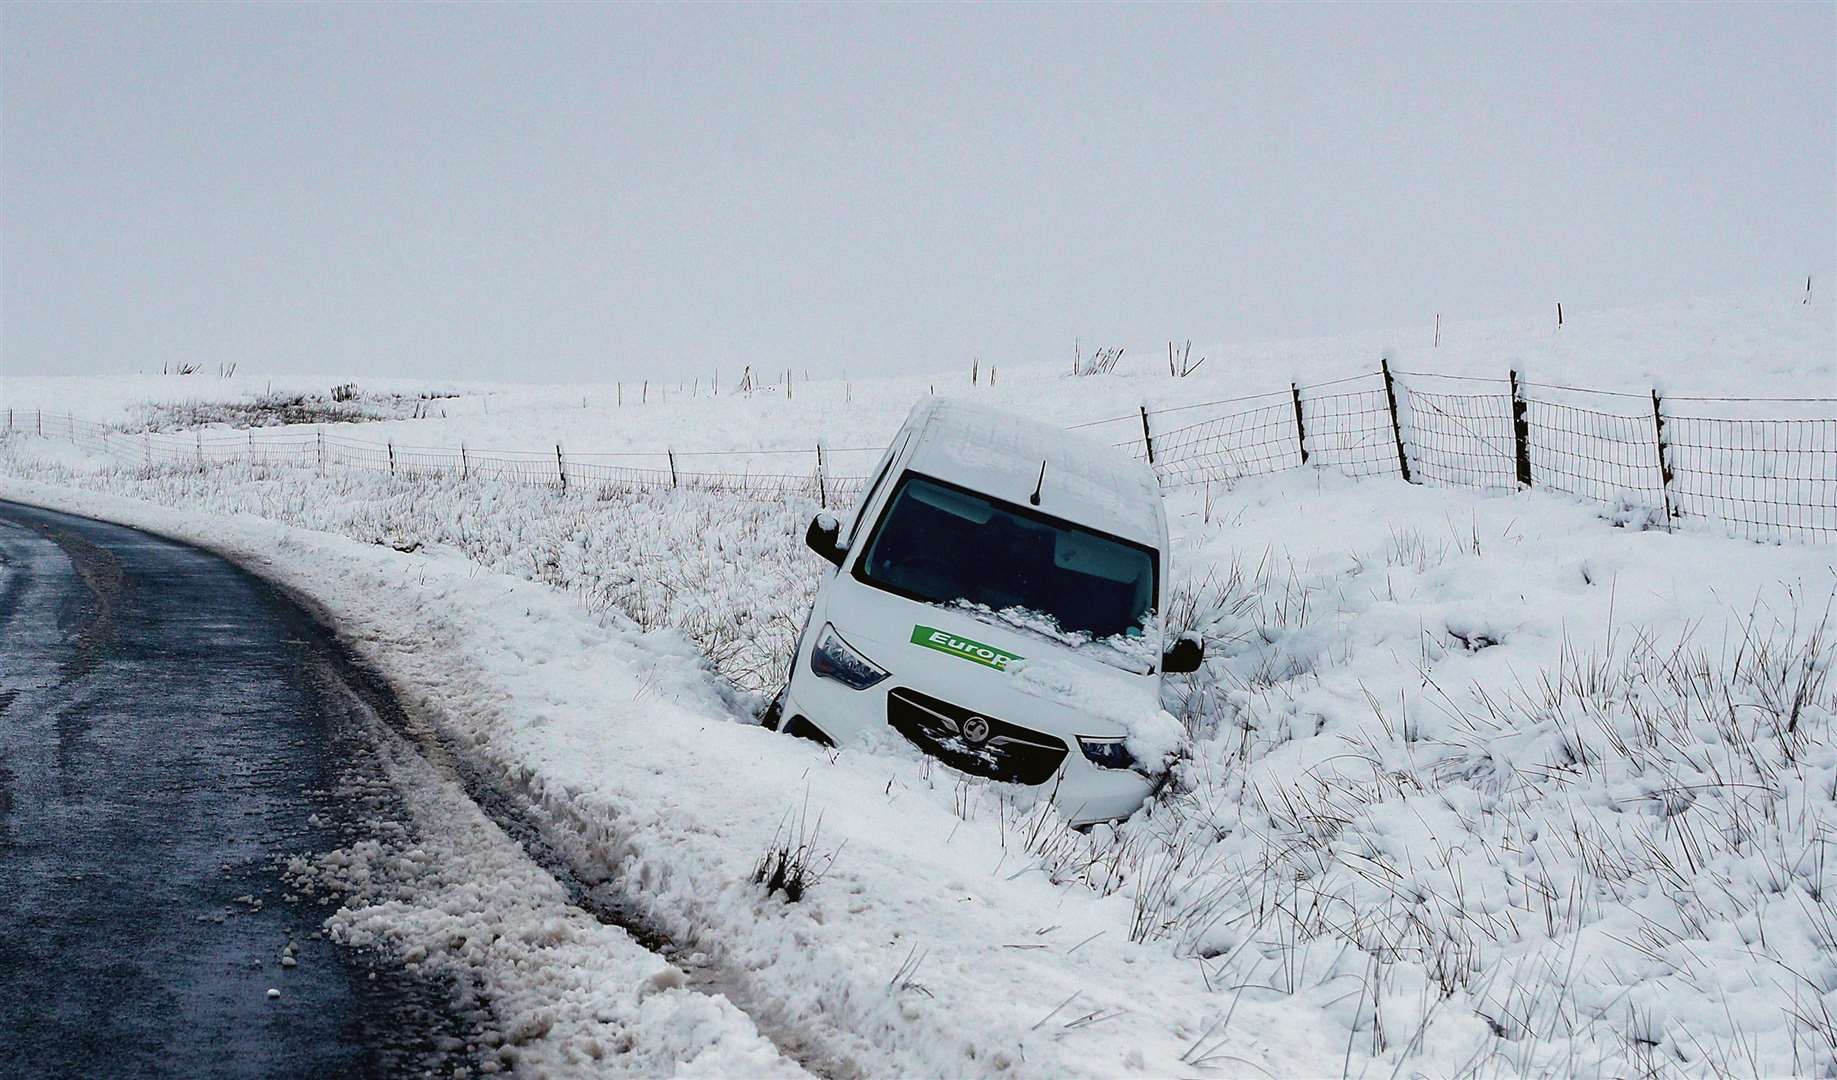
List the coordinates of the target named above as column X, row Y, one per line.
column 1301, row 431
column 1521, row 432
column 822, row 495
column 465, row 466
column 41, row 423
column 391, row 446
column 1148, row 439
column 198, row 437
column 1664, row 463
column 561, row 468
column 672, row 456
column 1390, row 396
column 319, row 448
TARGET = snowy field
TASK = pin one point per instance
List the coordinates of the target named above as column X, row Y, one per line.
column 1763, row 343
column 1475, row 783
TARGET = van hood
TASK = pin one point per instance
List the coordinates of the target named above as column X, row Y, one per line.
column 1001, row 671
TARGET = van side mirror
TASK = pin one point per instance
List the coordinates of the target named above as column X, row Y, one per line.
column 1183, row 656
column 824, row 536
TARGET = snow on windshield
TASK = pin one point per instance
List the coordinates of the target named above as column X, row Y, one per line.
column 1133, row 650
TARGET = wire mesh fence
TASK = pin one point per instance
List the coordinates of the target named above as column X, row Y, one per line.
column 1462, row 440
column 1761, row 468
column 1765, row 469
column 1348, row 428
column 600, row 473
column 1603, row 454
column 1772, row 479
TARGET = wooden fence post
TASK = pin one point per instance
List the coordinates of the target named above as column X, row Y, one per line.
column 1301, row 431
column 822, row 495
column 464, row 466
column 391, row 446
column 319, row 449
column 672, row 456
column 41, row 423
column 561, row 468
column 1390, row 396
column 1147, row 436
column 1521, row 432
column 1664, row 462
column 198, row 436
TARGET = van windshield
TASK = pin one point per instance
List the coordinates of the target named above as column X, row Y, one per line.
column 945, row 545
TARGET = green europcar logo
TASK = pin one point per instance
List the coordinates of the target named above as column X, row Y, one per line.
column 973, row 651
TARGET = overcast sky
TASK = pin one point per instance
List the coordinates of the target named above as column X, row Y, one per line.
column 574, row 192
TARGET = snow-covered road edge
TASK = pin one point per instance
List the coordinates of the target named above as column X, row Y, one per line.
column 457, row 897
column 607, row 731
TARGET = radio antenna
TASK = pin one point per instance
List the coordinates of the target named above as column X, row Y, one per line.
column 1035, row 497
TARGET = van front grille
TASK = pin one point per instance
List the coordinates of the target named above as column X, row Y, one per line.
column 992, row 748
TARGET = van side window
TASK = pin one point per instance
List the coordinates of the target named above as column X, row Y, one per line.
column 867, row 495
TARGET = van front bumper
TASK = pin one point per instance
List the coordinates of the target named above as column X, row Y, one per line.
column 1084, row 792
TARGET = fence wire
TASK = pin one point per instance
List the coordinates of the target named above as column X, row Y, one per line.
column 1607, row 457
column 1351, row 431
column 1773, row 479
column 1766, row 478
column 1462, row 440
column 1248, row 443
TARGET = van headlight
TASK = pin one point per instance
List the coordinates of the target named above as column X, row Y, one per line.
column 1106, row 753
column 833, row 658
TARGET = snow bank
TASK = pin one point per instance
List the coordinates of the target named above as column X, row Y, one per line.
column 1344, row 851
column 937, row 944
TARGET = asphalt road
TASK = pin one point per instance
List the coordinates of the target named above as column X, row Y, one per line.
column 170, row 732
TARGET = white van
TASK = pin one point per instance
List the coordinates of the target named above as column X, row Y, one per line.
column 995, row 601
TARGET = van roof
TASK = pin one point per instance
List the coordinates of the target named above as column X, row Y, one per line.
column 999, row 453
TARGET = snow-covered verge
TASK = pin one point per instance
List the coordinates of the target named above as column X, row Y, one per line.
column 1474, row 784
column 1553, row 795
column 935, row 945
column 729, row 574
column 549, row 988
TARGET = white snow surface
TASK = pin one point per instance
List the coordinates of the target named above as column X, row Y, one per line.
column 1470, row 783
column 1756, row 342
column 1357, row 661
column 620, row 737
